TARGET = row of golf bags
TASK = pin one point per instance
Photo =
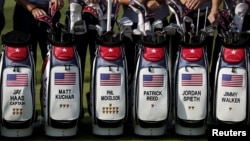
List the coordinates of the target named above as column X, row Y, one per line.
column 153, row 96
column 151, row 100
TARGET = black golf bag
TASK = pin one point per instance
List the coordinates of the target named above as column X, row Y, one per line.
column 151, row 88
column 191, row 89
column 17, row 72
column 109, row 88
column 61, row 84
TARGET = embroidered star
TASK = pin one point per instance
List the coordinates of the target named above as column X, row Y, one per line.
column 17, row 50
column 191, row 51
column 64, row 50
column 110, row 50
column 233, row 52
column 153, row 51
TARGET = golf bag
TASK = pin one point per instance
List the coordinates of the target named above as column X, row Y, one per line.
column 190, row 75
column 231, row 81
column 108, row 100
column 191, row 89
column 151, row 89
column 108, row 97
column 61, row 84
column 17, row 72
column 231, row 86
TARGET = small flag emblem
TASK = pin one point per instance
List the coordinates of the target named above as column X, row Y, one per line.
column 192, row 79
column 153, row 80
column 112, row 79
column 65, row 78
column 229, row 80
column 17, row 80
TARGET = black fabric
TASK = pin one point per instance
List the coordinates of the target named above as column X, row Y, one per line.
column 15, row 38
column 24, row 21
column 2, row 22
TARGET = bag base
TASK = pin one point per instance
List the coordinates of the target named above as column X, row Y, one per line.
column 107, row 131
column 16, row 132
column 188, row 131
column 55, row 132
column 138, row 130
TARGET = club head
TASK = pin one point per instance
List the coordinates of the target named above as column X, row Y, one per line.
column 187, row 19
column 232, row 26
column 80, row 27
column 137, row 32
column 157, row 24
column 123, row 19
column 174, row 25
column 203, row 33
column 159, row 33
column 209, row 30
column 169, row 30
column 98, row 28
column 125, row 22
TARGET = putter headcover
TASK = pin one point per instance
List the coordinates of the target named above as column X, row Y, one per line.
column 239, row 14
column 143, row 22
column 176, row 9
column 91, row 10
column 52, row 11
column 224, row 20
column 77, row 25
column 46, row 19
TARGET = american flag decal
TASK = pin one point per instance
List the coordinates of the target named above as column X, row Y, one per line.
column 192, row 79
column 110, row 79
column 65, row 78
column 17, row 80
column 153, row 80
column 233, row 80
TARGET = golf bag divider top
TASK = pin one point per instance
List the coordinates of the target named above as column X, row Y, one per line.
column 17, row 72
column 191, row 89
column 231, row 88
column 108, row 97
column 61, row 91
column 151, row 89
